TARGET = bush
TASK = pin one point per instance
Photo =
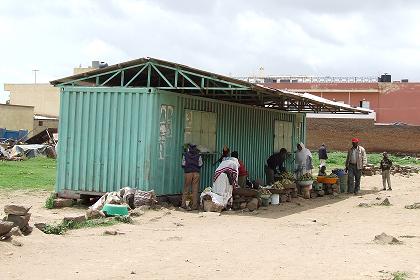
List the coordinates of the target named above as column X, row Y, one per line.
column 49, row 203
column 63, row 227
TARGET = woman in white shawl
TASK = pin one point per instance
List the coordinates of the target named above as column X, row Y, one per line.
column 224, row 180
column 303, row 163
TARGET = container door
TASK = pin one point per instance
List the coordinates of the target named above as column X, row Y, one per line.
column 283, row 135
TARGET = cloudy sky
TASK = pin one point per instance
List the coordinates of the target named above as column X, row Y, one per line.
column 232, row 37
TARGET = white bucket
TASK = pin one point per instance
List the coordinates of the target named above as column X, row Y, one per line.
column 275, row 199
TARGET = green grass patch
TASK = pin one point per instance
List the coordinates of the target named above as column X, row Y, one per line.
column 399, row 275
column 34, row 173
column 49, row 202
column 338, row 160
column 63, row 227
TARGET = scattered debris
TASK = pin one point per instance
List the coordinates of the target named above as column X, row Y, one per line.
column 178, row 224
column 136, row 212
column 408, row 236
column 384, row 239
column 415, row 205
column 17, row 243
column 405, row 171
column 110, row 232
column 385, row 202
column 174, row 238
column 364, row 205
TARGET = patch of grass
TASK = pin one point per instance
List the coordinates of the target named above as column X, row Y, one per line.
column 399, row 275
column 34, row 173
column 49, row 202
column 63, row 227
column 338, row 160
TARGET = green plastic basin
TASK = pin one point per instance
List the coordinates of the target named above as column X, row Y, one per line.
column 115, row 210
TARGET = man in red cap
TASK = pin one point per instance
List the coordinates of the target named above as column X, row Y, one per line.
column 355, row 162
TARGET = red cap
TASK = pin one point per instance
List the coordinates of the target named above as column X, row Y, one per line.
column 355, row 140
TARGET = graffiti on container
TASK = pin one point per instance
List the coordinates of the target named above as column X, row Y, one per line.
column 165, row 130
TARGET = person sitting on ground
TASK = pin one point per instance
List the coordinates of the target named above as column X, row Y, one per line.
column 386, row 164
column 243, row 173
column 322, row 171
column 276, row 164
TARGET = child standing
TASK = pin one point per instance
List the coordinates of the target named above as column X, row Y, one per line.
column 386, row 164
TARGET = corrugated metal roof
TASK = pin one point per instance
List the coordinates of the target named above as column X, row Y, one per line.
column 232, row 90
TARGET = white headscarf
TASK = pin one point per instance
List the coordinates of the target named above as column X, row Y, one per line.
column 302, row 155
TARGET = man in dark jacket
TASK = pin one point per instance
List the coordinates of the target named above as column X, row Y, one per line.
column 322, row 155
column 275, row 164
column 191, row 162
column 386, row 164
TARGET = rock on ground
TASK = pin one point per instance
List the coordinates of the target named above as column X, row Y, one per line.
column 415, row 205
column 63, row 202
column 76, row 219
column 16, row 209
column 5, row 227
column 385, row 202
column 94, row 214
column 253, row 204
column 19, row 221
column 384, row 238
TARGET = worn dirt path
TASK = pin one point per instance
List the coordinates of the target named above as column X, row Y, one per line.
column 323, row 238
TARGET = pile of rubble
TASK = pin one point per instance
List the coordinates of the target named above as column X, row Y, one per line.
column 371, row 169
column 16, row 222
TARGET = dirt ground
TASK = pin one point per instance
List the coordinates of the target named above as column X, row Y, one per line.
column 322, row 238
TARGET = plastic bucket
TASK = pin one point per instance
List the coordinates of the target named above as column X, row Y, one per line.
column 343, row 183
column 275, row 199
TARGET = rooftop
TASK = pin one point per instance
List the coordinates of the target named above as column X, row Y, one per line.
column 155, row 73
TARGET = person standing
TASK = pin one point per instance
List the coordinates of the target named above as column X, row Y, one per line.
column 386, row 164
column 303, row 163
column 356, row 160
column 191, row 163
column 275, row 164
column 243, row 173
column 322, row 155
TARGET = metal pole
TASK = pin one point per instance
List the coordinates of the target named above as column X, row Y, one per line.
column 35, row 70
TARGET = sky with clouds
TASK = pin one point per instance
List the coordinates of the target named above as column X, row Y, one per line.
column 231, row 37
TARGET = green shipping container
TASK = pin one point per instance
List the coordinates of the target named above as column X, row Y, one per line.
column 115, row 137
column 126, row 125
